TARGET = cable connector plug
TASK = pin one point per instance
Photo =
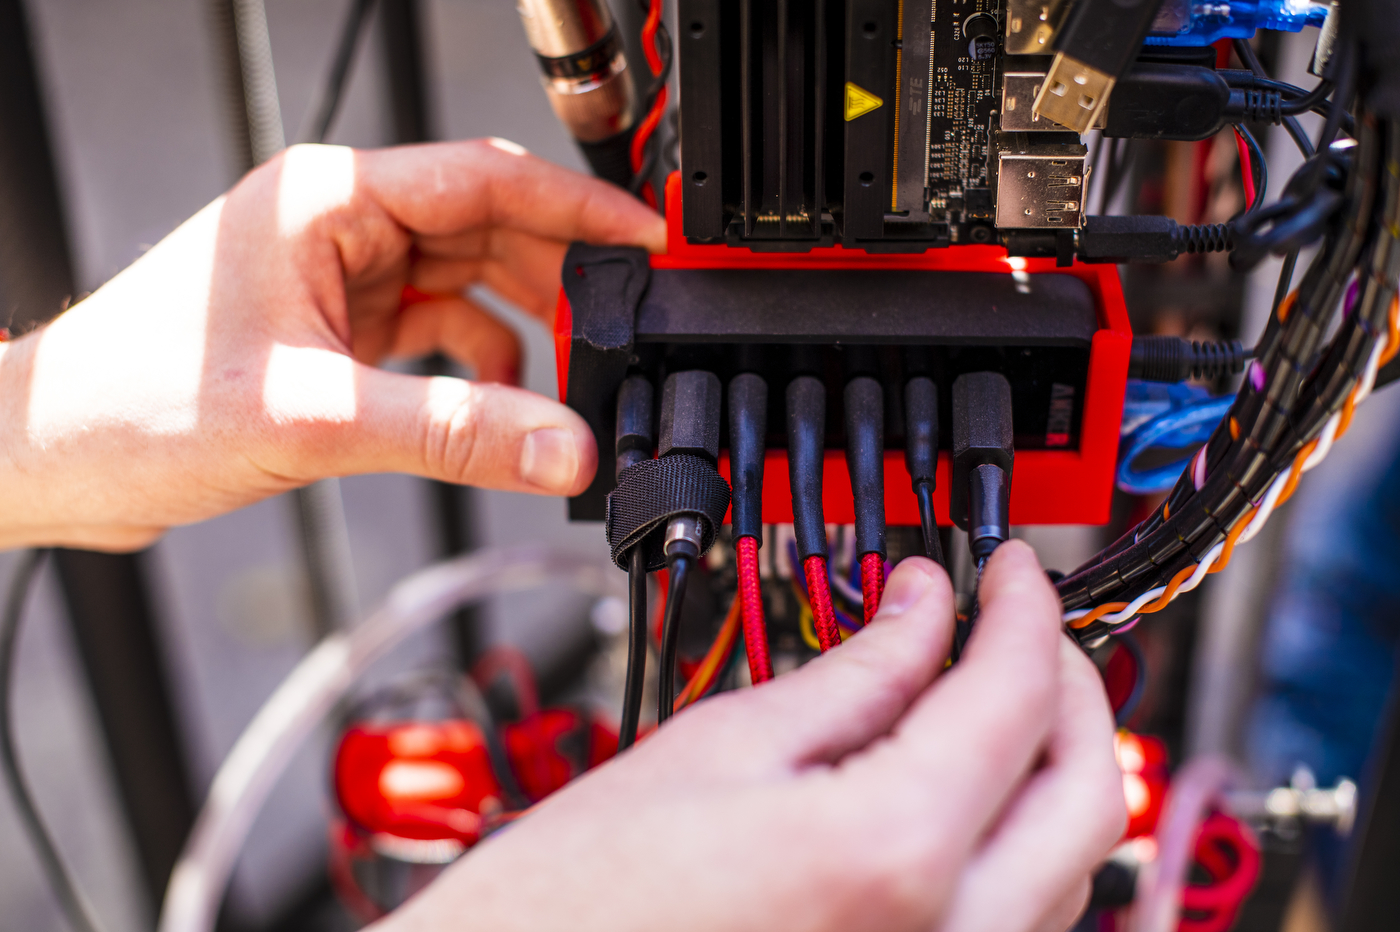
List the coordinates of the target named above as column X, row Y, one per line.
column 1093, row 50
column 1176, row 359
column 982, row 460
column 636, row 437
column 1144, row 238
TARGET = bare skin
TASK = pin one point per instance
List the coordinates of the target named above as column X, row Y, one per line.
column 871, row 789
column 235, row 360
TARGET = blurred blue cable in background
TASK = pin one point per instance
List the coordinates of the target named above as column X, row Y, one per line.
column 1159, row 421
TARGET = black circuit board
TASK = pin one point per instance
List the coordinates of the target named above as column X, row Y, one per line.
column 962, row 107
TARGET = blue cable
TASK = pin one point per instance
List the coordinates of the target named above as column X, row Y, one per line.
column 1200, row 24
column 1177, row 417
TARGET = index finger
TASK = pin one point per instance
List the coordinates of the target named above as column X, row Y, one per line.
column 977, row 731
column 441, row 189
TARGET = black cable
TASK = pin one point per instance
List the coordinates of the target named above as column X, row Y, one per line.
column 1290, row 122
column 1298, row 100
column 1285, row 279
column 635, row 441
column 921, row 456
column 928, row 523
column 636, row 648
column 75, row 911
column 1313, row 375
column 1308, row 101
column 328, row 100
column 1259, row 168
column 678, row 568
column 1343, row 56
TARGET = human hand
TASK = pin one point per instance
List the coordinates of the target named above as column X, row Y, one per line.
column 235, row 359
column 870, row 789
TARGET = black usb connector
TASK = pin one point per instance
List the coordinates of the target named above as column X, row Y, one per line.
column 1146, row 238
column 1093, row 49
column 982, row 461
column 1190, row 102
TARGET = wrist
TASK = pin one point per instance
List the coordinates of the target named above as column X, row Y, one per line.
column 15, row 366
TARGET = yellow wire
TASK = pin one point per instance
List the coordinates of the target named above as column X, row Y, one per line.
column 719, row 650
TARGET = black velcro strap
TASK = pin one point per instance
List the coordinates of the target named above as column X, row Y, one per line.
column 651, row 493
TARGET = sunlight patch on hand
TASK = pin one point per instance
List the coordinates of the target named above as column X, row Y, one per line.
column 89, row 371
column 313, row 181
column 304, row 383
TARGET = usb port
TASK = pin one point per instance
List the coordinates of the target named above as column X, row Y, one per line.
column 1042, row 187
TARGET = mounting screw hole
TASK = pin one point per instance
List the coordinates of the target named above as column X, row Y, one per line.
column 699, row 177
column 867, row 178
column 870, row 28
column 697, row 29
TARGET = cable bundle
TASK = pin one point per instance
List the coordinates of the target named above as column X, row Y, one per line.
column 1298, row 397
column 656, row 45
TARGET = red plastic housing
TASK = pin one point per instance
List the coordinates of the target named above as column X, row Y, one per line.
column 1049, row 486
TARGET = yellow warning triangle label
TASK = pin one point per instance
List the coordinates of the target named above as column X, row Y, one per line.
column 859, row 101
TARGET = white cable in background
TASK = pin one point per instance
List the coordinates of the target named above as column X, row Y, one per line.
column 317, row 685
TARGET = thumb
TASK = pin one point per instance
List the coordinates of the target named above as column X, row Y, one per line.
column 843, row 700
column 473, row 433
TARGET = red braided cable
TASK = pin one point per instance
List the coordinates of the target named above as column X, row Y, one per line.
column 658, row 109
column 872, row 583
column 751, row 609
column 819, row 593
column 639, row 141
column 649, row 27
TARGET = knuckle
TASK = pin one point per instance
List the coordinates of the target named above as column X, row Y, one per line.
column 451, row 438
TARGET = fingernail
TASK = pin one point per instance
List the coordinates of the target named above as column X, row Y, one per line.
column 549, row 459
column 907, row 585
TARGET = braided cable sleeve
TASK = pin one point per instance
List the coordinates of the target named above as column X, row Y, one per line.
column 1276, row 418
column 751, row 611
column 872, row 583
column 819, row 593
